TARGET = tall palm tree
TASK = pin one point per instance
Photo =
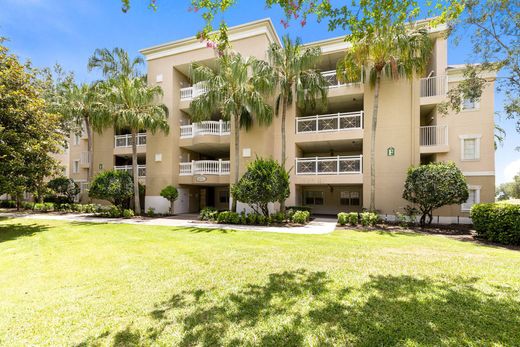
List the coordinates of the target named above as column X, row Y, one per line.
column 133, row 104
column 84, row 105
column 294, row 70
column 387, row 50
column 236, row 88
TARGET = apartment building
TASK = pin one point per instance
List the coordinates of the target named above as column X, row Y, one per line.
column 326, row 149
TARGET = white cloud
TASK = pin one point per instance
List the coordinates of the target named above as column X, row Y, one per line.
column 512, row 169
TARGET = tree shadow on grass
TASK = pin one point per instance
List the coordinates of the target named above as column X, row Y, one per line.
column 297, row 308
column 13, row 231
column 198, row 230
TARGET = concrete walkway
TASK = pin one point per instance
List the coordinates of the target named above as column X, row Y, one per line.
column 317, row 226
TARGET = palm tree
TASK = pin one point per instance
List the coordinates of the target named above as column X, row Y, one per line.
column 294, row 70
column 236, row 88
column 84, row 105
column 133, row 104
column 386, row 51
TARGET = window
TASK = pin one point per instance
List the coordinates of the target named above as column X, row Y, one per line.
column 75, row 166
column 467, row 104
column 470, row 147
column 349, row 198
column 473, row 198
column 313, row 198
column 76, row 139
column 223, row 197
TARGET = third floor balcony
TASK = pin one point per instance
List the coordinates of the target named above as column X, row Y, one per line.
column 341, row 126
column 215, row 128
column 434, row 139
column 433, row 89
column 208, row 136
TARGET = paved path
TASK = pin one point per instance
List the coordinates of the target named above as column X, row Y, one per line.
column 317, row 226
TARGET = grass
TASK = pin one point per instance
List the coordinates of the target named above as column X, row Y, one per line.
column 80, row 284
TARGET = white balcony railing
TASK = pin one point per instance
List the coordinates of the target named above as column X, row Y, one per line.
column 330, row 122
column 219, row 128
column 205, row 167
column 85, row 158
column 126, row 140
column 141, row 169
column 434, row 86
column 192, row 92
column 434, row 135
column 330, row 165
column 332, row 79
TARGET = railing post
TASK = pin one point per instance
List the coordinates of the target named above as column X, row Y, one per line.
column 337, row 165
column 192, row 167
column 220, row 127
column 219, row 167
column 316, row 165
column 338, row 121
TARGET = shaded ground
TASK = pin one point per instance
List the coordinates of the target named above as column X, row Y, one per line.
column 86, row 284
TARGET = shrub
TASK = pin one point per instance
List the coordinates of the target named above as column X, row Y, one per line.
column 114, row 186
column 342, row 218
column 497, row 222
column 150, row 212
column 171, row 194
column 348, row 218
column 228, row 217
column 264, row 182
column 369, row 219
column 243, row 218
column 7, row 203
column 301, row 217
column 64, row 188
column 408, row 218
column 114, row 212
column 208, row 213
column 278, row 217
column 300, row 208
column 66, row 207
column 127, row 213
column 252, row 218
column 435, row 185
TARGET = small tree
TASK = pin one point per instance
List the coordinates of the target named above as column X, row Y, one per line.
column 265, row 181
column 435, row 185
column 64, row 187
column 114, row 186
column 171, row 194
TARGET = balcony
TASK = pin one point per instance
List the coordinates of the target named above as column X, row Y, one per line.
column 204, row 172
column 141, row 169
column 330, row 122
column 323, row 170
column 215, row 128
column 434, row 139
column 190, row 93
column 340, row 90
column 433, row 89
column 123, row 144
column 85, row 159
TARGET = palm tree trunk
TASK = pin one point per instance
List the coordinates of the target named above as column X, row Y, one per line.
column 373, row 143
column 90, row 150
column 284, row 155
column 137, row 203
column 237, row 158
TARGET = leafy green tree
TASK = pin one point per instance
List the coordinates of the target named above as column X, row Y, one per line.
column 509, row 190
column 114, row 186
column 435, row 185
column 85, row 106
column 64, row 187
column 265, row 181
column 29, row 133
column 171, row 194
column 236, row 93
column 132, row 103
column 383, row 46
column 294, row 70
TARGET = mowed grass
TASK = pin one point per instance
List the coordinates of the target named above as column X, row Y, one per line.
column 72, row 284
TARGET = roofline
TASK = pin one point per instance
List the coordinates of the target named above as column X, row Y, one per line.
column 237, row 32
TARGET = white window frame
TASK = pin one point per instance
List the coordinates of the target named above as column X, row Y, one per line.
column 77, row 139
column 75, row 166
column 464, row 207
column 475, row 137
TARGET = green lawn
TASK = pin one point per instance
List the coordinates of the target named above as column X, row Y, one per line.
column 77, row 284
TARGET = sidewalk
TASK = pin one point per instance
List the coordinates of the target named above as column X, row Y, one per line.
column 318, row 226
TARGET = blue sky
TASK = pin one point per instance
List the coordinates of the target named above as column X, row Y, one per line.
column 67, row 32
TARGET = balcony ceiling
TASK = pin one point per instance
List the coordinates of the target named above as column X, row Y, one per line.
column 325, row 147
column 185, row 68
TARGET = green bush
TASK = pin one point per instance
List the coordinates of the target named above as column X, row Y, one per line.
column 278, row 217
column 208, row 213
column 44, row 207
column 171, row 194
column 243, row 218
column 301, row 217
column 252, row 218
column 7, row 203
column 497, row 222
column 150, row 212
column 114, row 186
column 342, row 218
column 369, row 219
column 300, row 208
column 127, row 213
column 114, row 212
column 348, row 218
column 228, row 217
column 65, row 189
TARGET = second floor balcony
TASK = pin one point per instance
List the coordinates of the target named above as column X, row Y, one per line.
column 216, row 128
column 434, row 139
column 141, row 169
column 205, row 167
column 338, row 165
column 434, row 86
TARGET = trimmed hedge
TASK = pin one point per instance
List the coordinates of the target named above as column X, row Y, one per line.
column 348, row 218
column 497, row 222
